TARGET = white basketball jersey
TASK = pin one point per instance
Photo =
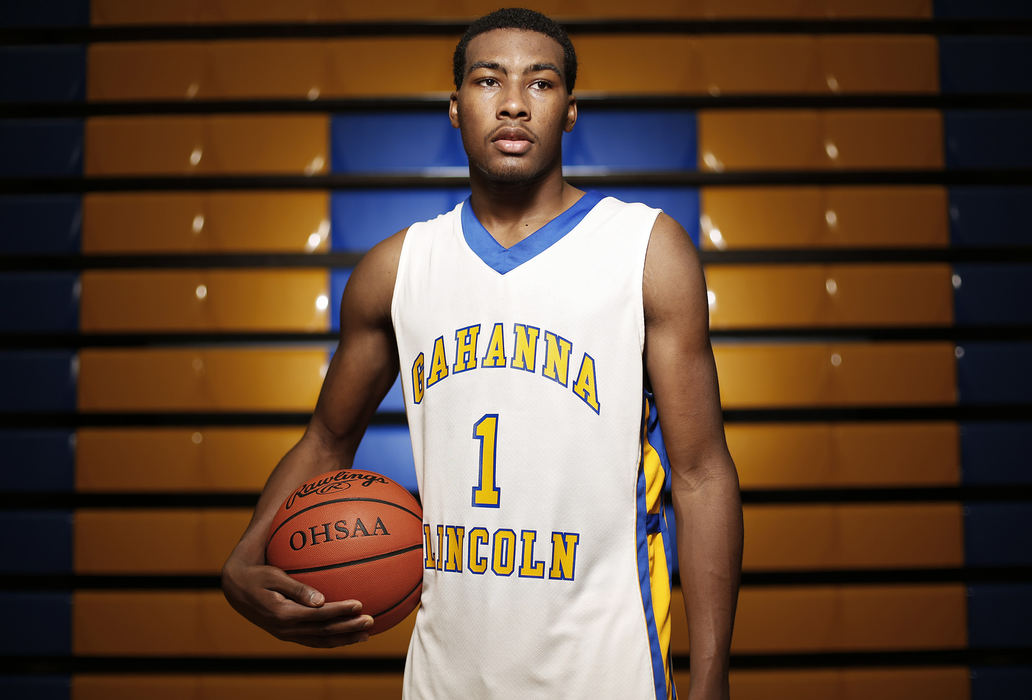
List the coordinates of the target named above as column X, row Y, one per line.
column 546, row 562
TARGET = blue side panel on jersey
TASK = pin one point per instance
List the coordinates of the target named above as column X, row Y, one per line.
column 53, row 13
column 633, row 140
column 983, row 9
column 1000, row 683
column 999, row 615
column 394, row 142
column 35, row 623
column 985, row 64
column 988, row 139
column 39, row 301
column 996, row 453
column 387, row 449
column 993, row 294
column 362, row 218
column 994, row 373
column 998, row 534
column 681, row 203
column 41, row 147
column 989, row 216
column 37, row 460
column 36, row 687
column 36, row 541
column 42, row 73
column 38, row 380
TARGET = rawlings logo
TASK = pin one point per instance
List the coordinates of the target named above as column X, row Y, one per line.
column 338, row 481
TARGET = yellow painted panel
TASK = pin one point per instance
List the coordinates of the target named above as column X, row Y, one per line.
column 202, row 459
column 183, row 145
column 156, row 541
column 228, row 11
column 879, row 64
column 808, row 139
column 829, row 295
column 796, row 217
column 153, row 70
column 216, row 300
column 806, row 455
column 946, row 683
column 844, row 374
column 853, row 536
column 210, row 379
column 180, row 222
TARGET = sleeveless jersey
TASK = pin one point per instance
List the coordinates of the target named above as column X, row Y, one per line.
column 537, row 458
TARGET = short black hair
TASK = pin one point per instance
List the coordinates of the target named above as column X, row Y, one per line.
column 517, row 18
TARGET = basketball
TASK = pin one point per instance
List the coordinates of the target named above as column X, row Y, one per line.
column 353, row 535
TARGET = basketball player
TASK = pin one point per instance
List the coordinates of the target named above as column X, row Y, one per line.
column 539, row 331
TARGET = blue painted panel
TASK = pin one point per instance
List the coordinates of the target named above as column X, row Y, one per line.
column 1000, row 683
column 37, row 224
column 37, row 380
column 41, row 147
column 36, row 541
column 633, row 140
column 398, row 142
column 989, row 216
column 994, row 373
column 682, row 203
column 53, row 13
column 35, row 623
column 983, row 9
column 39, row 301
column 363, row 218
column 43, row 73
column 992, row 294
column 988, row 139
column 971, row 64
column 36, row 687
column 996, row 453
column 37, row 460
column 999, row 615
column 998, row 534
column 387, row 449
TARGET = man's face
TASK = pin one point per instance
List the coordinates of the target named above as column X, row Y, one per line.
column 512, row 107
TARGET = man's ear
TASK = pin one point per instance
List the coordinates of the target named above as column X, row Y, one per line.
column 571, row 114
column 453, row 109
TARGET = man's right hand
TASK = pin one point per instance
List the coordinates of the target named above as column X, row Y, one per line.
column 291, row 610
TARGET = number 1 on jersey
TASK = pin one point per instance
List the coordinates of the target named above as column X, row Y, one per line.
column 486, row 494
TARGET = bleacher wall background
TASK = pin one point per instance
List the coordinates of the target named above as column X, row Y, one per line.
column 185, row 184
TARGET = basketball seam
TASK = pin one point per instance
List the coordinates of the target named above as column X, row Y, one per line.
column 400, row 601
column 366, row 560
column 342, row 500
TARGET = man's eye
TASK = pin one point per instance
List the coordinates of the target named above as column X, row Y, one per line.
column 541, row 84
column 488, row 82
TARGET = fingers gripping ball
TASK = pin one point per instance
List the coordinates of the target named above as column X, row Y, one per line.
column 353, row 535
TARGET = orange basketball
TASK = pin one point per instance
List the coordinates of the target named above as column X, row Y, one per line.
column 353, row 535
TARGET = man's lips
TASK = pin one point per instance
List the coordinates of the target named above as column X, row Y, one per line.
column 512, row 141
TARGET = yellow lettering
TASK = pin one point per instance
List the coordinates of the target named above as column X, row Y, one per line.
column 585, row 387
column 557, row 357
column 440, row 546
column 417, row 379
column 495, row 356
column 564, row 555
column 528, row 567
column 477, row 537
column 524, row 355
column 454, row 534
column 428, row 547
column 504, row 560
column 466, row 348
column 439, row 364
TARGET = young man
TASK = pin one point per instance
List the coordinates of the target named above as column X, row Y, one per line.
column 539, row 331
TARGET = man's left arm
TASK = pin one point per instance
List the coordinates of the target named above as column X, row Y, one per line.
column 707, row 503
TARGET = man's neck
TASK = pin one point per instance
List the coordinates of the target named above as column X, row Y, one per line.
column 512, row 211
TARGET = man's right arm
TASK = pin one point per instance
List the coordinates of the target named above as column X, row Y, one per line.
column 361, row 372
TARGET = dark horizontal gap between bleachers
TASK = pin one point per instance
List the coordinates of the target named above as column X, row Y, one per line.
column 455, row 28
column 693, row 178
column 985, row 412
column 64, row 665
column 16, row 500
column 757, row 256
column 994, row 101
column 37, row 341
column 168, row 582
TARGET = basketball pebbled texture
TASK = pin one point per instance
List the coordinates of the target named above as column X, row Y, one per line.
column 353, row 534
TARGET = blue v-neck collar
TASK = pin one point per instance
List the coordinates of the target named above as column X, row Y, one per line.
column 503, row 259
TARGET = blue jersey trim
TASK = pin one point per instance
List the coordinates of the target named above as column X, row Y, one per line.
column 502, row 259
